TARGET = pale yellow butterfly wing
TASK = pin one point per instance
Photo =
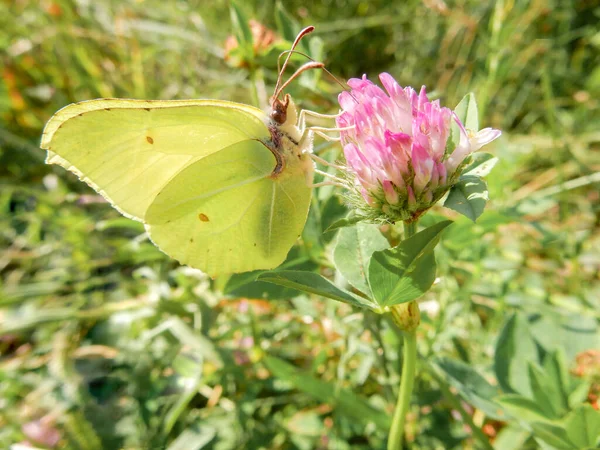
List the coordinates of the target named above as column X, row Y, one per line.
column 226, row 213
column 198, row 173
column 128, row 150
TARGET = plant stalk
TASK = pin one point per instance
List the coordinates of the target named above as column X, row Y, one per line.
column 406, row 386
column 410, row 229
column 407, row 317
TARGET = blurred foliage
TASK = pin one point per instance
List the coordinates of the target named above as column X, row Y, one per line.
column 105, row 343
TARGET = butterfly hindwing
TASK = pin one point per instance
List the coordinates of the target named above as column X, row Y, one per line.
column 228, row 213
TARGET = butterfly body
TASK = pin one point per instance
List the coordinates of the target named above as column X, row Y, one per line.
column 220, row 186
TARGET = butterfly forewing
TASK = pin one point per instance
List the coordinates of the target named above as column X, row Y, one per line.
column 201, row 174
column 128, row 150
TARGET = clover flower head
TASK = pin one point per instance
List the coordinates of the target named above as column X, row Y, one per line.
column 398, row 149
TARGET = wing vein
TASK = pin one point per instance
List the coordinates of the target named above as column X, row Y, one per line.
column 271, row 219
column 288, row 196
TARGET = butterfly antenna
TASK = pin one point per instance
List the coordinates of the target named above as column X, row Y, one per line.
column 303, row 68
column 336, row 79
column 302, row 33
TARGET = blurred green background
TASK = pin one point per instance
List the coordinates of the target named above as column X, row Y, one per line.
column 106, row 344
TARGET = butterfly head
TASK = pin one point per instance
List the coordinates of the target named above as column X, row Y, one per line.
column 283, row 112
column 279, row 109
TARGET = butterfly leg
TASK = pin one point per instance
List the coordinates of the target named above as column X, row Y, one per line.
column 327, row 183
column 308, row 113
column 330, row 179
column 320, row 160
column 336, row 180
column 320, row 131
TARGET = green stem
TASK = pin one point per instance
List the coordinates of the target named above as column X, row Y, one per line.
column 406, row 387
column 405, row 315
column 410, row 229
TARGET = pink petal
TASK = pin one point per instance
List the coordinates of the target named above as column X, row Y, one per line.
column 483, row 137
column 412, row 202
column 346, row 101
column 391, row 86
column 391, row 196
column 423, row 166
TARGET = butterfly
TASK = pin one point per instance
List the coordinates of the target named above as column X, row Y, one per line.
column 219, row 186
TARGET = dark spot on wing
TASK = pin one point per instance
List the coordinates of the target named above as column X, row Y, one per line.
column 150, row 140
column 203, row 217
column 191, row 240
column 255, row 244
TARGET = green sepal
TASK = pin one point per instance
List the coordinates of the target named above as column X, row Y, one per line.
column 407, row 271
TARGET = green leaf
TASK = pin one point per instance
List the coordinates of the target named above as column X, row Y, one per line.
column 194, row 437
column 481, row 165
column 333, row 209
column 583, row 426
column 344, row 400
column 466, row 110
column 192, row 339
column 579, row 392
column 287, row 26
column 468, row 197
column 515, row 348
column 554, row 435
column 241, row 30
column 191, row 380
column 511, row 436
column 316, row 46
column 405, row 272
column 545, row 393
column 353, row 251
column 464, row 234
column 344, row 222
column 572, row 333
column 522, row 408
column 314, row 283
column 311, row 78
column 471, row 386
column 555, row 367
column 305, row 423
column 245, row 284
